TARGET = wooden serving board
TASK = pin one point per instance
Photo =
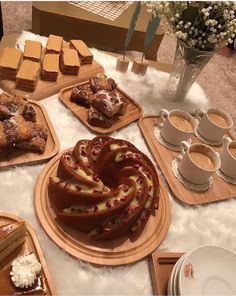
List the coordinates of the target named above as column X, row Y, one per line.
column 20, row 156
column 31, row 245
column 133, row 111
column 219, row 190
column 46, row 89
column 116, row 252
column 161, row 265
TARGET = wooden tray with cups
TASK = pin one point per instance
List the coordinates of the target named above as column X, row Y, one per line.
column 206, row 270
column 196, row 153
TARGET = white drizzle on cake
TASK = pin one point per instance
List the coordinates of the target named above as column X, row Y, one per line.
column 25, row 270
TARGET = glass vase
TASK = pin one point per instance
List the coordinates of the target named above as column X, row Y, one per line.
column 188, row 63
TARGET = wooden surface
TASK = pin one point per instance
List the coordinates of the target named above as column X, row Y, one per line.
column 161, row 265
column 133, row 111
column 20, row 156
column 116, row 252
column 46, row 89
column 69, row 21
column 31, row 245
column 219, row 190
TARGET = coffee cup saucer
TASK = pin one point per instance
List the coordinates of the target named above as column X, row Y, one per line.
column 163, row 142
column 189, row 185
column 206, row 141
column 226, row 178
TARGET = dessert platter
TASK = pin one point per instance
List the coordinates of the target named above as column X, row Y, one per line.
column 41, row 72
column 100, row 104
column 26, row 132
column 103, row 202
column 219, row 189
column 23, row 270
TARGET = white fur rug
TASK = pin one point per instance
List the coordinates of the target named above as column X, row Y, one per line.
column 190, row 227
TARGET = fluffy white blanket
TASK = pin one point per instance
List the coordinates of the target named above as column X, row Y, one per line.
column 190, row 227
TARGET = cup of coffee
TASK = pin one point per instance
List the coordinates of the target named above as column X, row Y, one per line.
column 199, row 162
column 213, row 124
column 178, row 126
column 228, row 158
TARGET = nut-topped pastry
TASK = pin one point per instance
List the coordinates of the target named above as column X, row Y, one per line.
column 82, row 95
column 101, row 82
column 33, row 51
column 86, row 57
column 10, row 60
column 54, row 44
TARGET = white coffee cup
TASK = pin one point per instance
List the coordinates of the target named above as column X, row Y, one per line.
column 172, row 133
column 209, row 128
column 228, row 158
column 199, row 162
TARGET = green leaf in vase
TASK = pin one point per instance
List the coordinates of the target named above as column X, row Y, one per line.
column 132, row 25
column 151, row 30
column 190, row 14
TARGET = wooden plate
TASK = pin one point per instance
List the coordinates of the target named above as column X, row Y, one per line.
column 20, row 156
column 31, row 245
column 76, row 243
column 161, row 265
column 133, row 111
column 46, row 89
column 220, row 189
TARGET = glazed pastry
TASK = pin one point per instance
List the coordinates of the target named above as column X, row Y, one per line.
column 33, row 51
column 50, row 67
column 10, row 60
column 122, row 206
column 69, row 62
column 85, row 55
column 27, row 76
column 54, row 44
column 12, row 235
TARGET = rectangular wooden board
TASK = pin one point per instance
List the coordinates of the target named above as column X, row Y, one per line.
column 20, row 156
column 220, row 189
column 161, row 265
column 31, row 245
column 133, row 111
column 46, row 89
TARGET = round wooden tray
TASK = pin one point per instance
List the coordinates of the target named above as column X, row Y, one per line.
column 117, row 252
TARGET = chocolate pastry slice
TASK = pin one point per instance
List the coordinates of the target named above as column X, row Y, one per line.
column 101, row 82
column 82, row 95
column 96, row 118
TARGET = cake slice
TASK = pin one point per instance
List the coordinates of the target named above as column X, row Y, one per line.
column 86, row 57
column 10, row 60
column 50, row 67
column 12, row 235
column 27, row 76
column 33, row 51
column 96, row 118
column 54, row 44
column 69, row 62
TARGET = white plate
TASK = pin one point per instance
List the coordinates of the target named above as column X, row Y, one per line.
column 171, row 282
column 175, row 285
column 208, row 270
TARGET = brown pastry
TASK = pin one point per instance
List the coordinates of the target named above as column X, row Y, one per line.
column 33, row 51
column 82, row 95
column 69, row 62
column 27, row 76
column 101, row 82
column 11, row 105
column 96, row 118
column 54, row 44
column 50, row 67
column 86, row 57
column 10, row 60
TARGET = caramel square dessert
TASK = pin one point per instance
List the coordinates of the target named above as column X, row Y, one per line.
column 69, row 62
column 86, row 57
column 33, row 51
column 50, row 67
column 27, row 76
column 54, row 44
column 10, row 60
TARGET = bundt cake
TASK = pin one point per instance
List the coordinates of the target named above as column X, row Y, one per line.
column 106, row 187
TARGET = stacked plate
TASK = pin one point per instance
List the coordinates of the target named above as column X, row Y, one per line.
column 207, row 270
